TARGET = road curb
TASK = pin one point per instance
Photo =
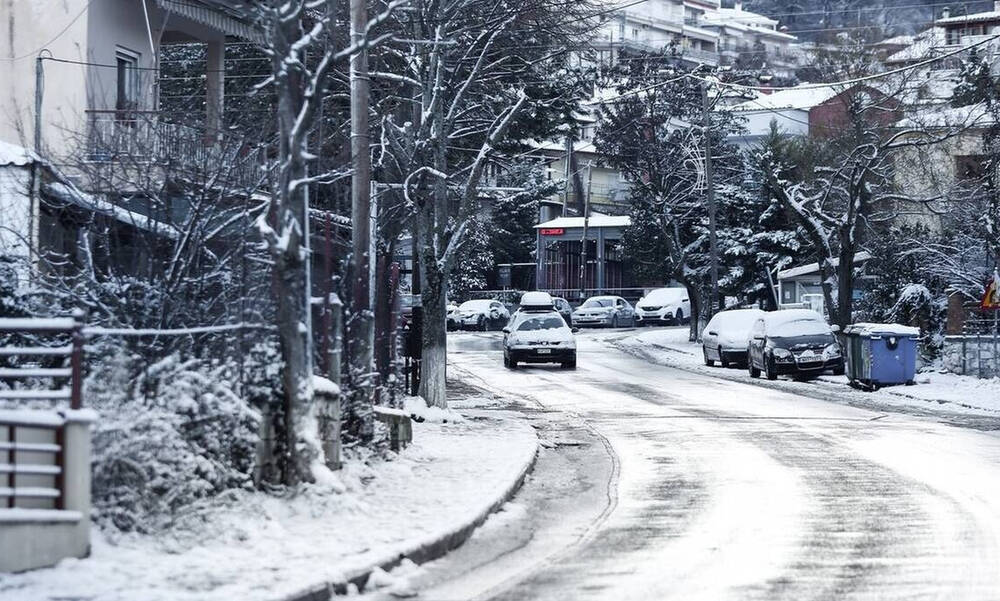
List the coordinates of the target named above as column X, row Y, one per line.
column 421, row 552
column 845, row 396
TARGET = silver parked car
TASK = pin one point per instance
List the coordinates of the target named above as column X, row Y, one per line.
column 726, row 335
column 483, row 315
column 604, row 311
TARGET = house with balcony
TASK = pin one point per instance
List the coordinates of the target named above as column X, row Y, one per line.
column 657, row 25
column 82, row 100
column 748, row 40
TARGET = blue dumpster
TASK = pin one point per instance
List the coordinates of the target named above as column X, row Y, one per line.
column 881, row 354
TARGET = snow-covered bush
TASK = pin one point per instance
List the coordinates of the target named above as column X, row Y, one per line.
column 175, row 434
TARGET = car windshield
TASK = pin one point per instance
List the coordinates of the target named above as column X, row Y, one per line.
column 475, row 305
column 547, row 322
column 595, row 303
column 799, row 327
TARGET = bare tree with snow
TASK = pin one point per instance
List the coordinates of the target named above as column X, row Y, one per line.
column 473, row 80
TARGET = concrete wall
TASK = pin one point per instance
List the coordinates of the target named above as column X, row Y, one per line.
column 15, row 212
column 929, row 171
column 32, row 26
column 34, row 535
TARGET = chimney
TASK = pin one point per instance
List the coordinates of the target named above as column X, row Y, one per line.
column 739, row 5
column 996, row 5
column 945, row 13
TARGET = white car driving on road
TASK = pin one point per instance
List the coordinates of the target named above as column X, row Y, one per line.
column 539, row 336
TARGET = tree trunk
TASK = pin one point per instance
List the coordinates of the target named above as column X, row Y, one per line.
column 290, row 288
column 845, row 289
column 360, row 330
column 433, row 366
column 694, row 294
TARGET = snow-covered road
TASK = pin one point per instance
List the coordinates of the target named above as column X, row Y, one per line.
column 731, row 491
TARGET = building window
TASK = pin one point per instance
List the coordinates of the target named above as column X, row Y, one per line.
column 970, row 168
column 127, row 92
column 635, row 32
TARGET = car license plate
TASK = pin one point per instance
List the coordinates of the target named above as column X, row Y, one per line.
column 544, row 351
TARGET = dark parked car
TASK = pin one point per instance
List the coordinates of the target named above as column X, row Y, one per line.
column 795, row 342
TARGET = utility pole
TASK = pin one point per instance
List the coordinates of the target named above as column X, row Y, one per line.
column 583, row 242
column 568, row 173
column 713, row 242
column 359, row 330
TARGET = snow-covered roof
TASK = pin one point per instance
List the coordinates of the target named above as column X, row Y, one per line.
column 596, row 220
column 972, row 116
column 72, row 195
column 744, row 20
column 793, row 98
column 18, row 156
column 921, row 47
column 992, row 15
column 814, row 267
column 899, row 40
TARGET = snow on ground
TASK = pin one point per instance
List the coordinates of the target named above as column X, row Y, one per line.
column 249, row 545
column 933, row 389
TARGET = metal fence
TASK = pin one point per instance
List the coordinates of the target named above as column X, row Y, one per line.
column 35, row 462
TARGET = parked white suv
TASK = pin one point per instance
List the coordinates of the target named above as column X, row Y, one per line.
column 667, row 306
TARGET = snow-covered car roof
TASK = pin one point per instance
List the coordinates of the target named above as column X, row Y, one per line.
column 666, row 295
column 477, row 303
column 536, row 300
column 736, row 318
column 776, row 318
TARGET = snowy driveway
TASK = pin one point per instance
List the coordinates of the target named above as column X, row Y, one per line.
column 731, row 491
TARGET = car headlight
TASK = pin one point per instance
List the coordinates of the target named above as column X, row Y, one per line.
column 781, row 353
column 831, row 351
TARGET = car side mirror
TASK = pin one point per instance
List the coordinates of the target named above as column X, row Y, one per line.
column 574, row 330
column 506, row 330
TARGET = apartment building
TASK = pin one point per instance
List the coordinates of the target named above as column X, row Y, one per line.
column 81, row 100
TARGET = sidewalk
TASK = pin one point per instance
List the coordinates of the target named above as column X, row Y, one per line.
column 933, row 391
column 252, row 546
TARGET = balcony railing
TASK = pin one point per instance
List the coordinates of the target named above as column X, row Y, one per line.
column 152, row 138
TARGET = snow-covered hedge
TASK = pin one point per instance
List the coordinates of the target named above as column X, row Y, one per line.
column 174, row 435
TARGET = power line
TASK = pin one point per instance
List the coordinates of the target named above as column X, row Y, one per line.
column 849, row 82
column 57, row 36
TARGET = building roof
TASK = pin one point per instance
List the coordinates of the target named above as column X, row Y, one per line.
column 923, row 44
column 596, row 220
column 18, row 156
column 793, row 98
column 814, row 267
column 992, row 15
column 228, row 16
column 744, row 20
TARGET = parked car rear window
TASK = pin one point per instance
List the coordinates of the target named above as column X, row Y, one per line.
column 541, row 323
